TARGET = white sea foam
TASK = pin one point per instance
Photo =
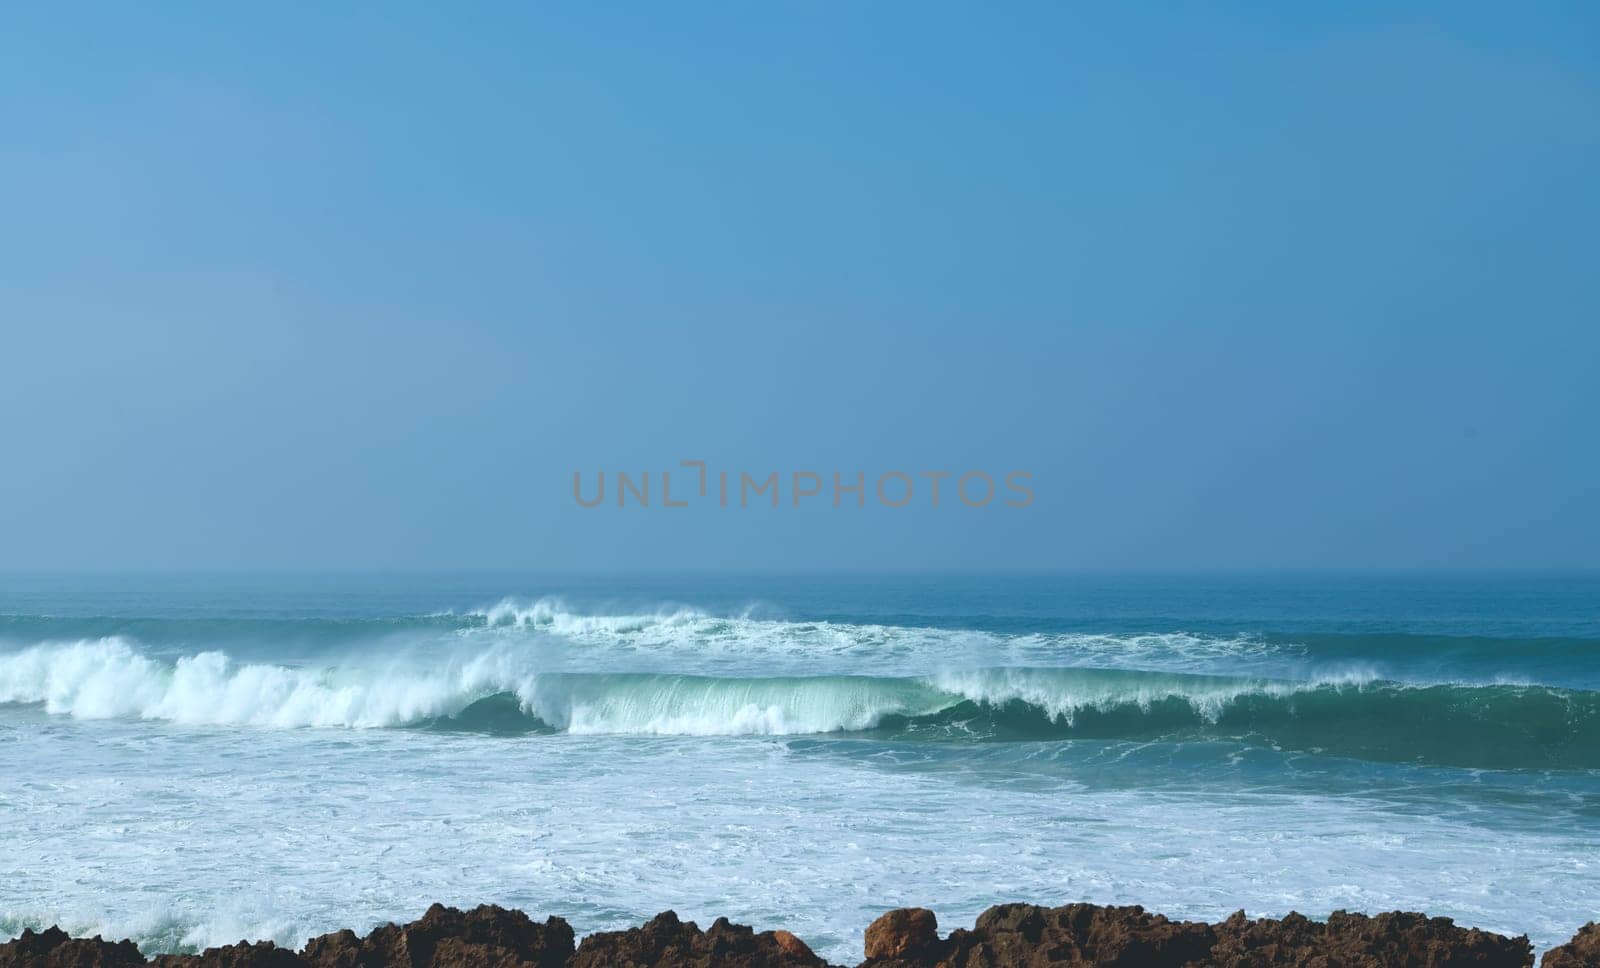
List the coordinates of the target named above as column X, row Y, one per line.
column 666, row 789
column 186, row 839
column 1063, row 694
column 691, row 639
column 110, row 678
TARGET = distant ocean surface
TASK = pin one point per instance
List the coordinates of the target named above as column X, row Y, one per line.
column 192, row 760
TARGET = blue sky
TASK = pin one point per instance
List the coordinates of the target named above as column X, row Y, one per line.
column 1241, row 286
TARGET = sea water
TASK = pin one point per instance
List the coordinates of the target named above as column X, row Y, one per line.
column 192, row 760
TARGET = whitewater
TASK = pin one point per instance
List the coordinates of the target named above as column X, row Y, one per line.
column 193, row 762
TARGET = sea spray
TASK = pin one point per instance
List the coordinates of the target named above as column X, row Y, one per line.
column 1486, row 725
column 195, row 762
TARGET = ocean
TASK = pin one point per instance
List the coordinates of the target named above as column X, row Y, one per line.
column 191, row 760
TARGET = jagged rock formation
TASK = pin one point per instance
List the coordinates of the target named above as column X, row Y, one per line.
column 1583, row 951
column 445, row 938
column 262, row 954
column 669, row 943
column 1396, row 938
column 1083, row 935
column 1006, row 936
column 53, row 948
column 1024, row 935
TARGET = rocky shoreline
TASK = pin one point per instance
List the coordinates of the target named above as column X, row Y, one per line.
column 1007, row 935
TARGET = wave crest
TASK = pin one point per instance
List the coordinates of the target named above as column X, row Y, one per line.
column 107, row 678
column 1490, row 725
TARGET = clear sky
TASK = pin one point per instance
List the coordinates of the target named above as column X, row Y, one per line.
column 1241, row 286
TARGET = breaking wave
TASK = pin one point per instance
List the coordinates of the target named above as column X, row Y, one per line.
column 494, row 691
column 682, row 639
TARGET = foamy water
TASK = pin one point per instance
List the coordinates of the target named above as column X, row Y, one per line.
column 189, row 779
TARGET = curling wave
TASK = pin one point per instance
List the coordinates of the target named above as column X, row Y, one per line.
column 1481, row 725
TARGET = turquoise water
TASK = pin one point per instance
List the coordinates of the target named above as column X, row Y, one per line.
column 196, row 759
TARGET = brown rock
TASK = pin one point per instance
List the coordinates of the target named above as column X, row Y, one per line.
column 1358, row 941
column 1583, row 951
column 1079, row 934
column 262, row 954
column 1006, row 936
column 904, row 934
column 447, row 938
column 792, row 945
column 341, row 949
column 1083, row 935
column 666, row 942
column 53, row 948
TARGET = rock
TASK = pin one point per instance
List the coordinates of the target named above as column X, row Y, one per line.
column 448, row 938
column 1079, row 934
column 1083, row 935
column 1396, row 938
column 262, row 954
column 792, row 945
column 904, row 934
column 54, row 948
column 341, row 949
column 1005, row 936
column 1583, row 951
column 666, row 942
